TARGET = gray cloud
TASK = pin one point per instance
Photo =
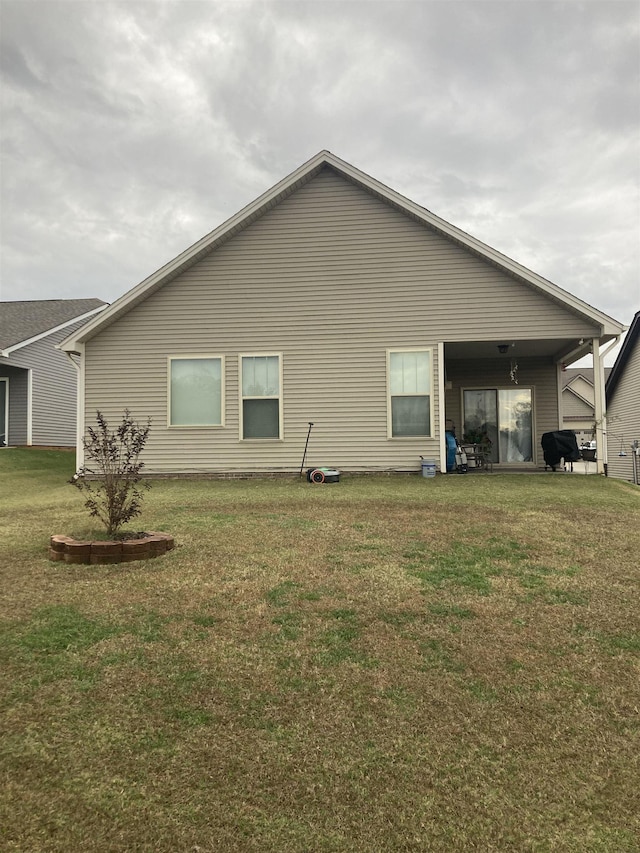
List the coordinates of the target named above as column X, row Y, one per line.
column 132, row 129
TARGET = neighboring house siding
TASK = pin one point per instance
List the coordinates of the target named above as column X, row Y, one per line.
column 578, row 402
column 18, row 396
column 331, row 278
column 53, row 392
column 574, row 407
column 623, row 418
column 583, row 388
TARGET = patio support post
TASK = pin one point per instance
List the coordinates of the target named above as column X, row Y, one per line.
column 599, row 407
column 441, row 409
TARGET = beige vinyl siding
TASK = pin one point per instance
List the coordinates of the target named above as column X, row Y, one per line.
column 344, row 394
column 623, row 418
column 332, row 278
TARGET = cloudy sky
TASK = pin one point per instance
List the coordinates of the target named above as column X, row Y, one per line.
column 132, row 129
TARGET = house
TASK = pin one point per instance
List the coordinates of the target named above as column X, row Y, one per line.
column 623, row 409
column 334, row 300
column 578, row 401
column 38, row 381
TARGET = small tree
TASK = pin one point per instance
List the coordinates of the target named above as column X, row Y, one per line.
column 112, row 457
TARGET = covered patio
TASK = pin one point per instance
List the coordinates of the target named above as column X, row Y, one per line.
column 501, row 395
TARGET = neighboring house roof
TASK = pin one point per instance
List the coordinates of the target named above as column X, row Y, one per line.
column 585, row 373
column 572, row 373
column 23, row 322
column 609, row 328
column 626, row 349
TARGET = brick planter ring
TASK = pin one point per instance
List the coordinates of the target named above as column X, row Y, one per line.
column 74, row 551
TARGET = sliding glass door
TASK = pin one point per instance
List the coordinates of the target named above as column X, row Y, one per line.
column 503, row 417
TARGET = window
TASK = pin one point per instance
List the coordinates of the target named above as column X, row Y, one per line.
column 195, row 390
column 409, row 374
column 261, row 399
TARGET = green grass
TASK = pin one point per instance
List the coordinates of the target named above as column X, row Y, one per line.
column 387, row 664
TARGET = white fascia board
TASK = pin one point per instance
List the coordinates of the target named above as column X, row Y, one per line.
column 7, row 352
column 608, row 326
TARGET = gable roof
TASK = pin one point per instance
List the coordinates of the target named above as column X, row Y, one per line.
column 609, row 328
column 631, row 339
column 22, row 323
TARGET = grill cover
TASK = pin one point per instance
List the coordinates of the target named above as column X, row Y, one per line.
column 559, row 445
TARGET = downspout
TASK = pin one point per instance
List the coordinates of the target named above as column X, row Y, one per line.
column 29, row 407
column 79, row 405
column 5, row 379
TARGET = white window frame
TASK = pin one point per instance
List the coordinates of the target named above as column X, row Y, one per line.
column 431, row 395
column 196, row 357
column 277, row 397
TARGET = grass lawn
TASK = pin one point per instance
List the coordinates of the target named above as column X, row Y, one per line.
column 386, row 664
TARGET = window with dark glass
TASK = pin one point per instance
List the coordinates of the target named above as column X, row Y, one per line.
column 261, row 403
column 410, row 393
